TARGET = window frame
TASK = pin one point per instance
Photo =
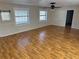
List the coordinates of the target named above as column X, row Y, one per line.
column 9, row 16
column 46, row 15
column 22, row 9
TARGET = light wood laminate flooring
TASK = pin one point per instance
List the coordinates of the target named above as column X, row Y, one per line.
column 50, row 42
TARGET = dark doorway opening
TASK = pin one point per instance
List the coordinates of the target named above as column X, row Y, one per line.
column 69, row 18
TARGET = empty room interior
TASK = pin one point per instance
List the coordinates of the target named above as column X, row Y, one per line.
column 39, row 29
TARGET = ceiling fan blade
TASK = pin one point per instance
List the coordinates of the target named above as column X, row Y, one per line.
column 53, row 3
column 57, row 7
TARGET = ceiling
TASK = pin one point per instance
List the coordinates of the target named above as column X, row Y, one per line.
column 44, row 3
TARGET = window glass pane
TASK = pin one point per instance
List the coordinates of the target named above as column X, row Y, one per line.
column 42, row 17
column 5, row 16
column 22, row 16
column 21, row 20
column 42, row 12
column 21, row 13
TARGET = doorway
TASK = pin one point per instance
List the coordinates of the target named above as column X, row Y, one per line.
column 69, row 18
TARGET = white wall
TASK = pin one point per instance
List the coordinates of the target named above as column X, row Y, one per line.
column 75, row 23
column 60, row 17
column 9, row 28
column 55, row 17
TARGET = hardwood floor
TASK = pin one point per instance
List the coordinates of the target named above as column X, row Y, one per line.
column 49, row 42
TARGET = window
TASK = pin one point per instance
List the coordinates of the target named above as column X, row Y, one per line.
column 21, row 16
column 43, row 15
column 5, row 15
